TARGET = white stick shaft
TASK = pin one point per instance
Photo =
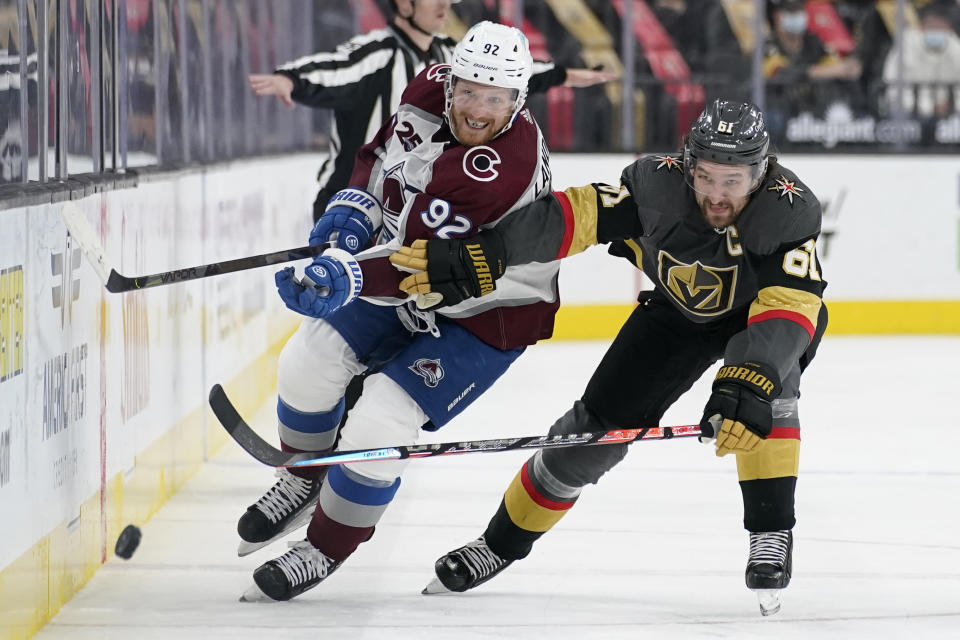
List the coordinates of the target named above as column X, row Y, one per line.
column 83, row 234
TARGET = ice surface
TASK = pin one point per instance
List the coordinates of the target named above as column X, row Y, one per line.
column 655, row 550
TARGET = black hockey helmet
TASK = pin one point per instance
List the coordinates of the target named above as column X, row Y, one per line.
column 728, row 132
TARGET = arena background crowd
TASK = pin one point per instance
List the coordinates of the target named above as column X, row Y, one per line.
column 163, row 82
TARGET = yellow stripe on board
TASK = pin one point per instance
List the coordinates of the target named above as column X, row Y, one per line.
column 894, row 317
column 34, row 586
column 936, row 317
column 590, row 322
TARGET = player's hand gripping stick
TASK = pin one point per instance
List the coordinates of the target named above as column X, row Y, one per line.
column 739, row 412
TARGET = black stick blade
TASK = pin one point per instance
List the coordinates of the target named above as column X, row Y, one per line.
column 241, row 432
column 117, row 283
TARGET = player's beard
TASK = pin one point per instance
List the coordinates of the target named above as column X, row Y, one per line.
column 720, row 213
column 470, row 137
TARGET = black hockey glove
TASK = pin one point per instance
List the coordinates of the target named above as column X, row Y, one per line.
column 738, row 413
column 447, row 272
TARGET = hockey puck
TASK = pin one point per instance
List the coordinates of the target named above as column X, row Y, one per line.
column 127, row 542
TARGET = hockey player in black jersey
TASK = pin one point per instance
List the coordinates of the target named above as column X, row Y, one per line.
column 728, row 236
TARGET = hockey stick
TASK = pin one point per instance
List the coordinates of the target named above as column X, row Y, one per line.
column 117, row 283
column 83, row 234
column 269, row 455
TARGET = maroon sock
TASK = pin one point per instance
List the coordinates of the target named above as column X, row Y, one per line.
column 335, row 540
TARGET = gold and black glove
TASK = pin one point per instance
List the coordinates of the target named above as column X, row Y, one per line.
column 738, row 413
column 447, row 272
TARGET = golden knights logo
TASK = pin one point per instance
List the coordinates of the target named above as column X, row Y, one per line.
column 703, row 290
column 668, row 162
column 786, row 188
column 429, row 370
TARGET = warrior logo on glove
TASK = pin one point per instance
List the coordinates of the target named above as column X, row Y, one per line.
column 761, row 383
column 481, row 268
column 739, row 412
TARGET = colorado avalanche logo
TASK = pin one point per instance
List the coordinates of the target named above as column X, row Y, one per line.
column 429, row 370
column 479, row 163
column 395, row 189
column 394, row 192
column 438, row 73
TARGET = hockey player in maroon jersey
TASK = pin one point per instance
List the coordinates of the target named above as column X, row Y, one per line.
column 362, row 79
column 459, row 155
column 728, row 236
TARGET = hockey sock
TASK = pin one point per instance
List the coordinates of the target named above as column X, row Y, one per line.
column 302, row 431
column 349, row 508
column 532, row 504
column 768, row 505
column 768, row 479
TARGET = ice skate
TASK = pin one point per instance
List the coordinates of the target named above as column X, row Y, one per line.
column 285, row 507
column 299, row 569
column 465, row 568
column 769, row 567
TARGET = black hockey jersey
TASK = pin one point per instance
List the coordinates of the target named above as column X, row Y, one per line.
column 765, row 262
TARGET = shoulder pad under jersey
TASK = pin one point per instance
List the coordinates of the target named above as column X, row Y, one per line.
column 782, row 211
column 652, row 175
column 426, row 91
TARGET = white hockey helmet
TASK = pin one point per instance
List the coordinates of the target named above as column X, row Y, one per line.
column 493, row 54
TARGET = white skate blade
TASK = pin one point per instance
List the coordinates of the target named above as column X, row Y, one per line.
column 246, row 548
column 253, row 594
column 434, row 588
column 769, row 600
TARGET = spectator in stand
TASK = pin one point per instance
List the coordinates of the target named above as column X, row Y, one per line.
column 931, row 65
column 794, row 60
column 679, row 19
column 702, row 33
column 873, row 41
column 794, row 54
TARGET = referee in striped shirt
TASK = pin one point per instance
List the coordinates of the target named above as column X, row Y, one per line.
column 363, row 78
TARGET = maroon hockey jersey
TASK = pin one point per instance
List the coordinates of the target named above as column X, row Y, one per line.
column 431, row 186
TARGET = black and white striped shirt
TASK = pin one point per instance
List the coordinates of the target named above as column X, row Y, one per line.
column 362, row 81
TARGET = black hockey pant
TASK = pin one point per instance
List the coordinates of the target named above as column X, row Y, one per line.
column 656, row 357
